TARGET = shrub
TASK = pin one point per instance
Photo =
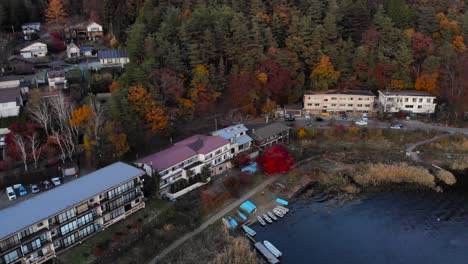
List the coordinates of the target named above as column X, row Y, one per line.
column 242, row 160
column 232, row 184
column 446, row 176
column 376, row 174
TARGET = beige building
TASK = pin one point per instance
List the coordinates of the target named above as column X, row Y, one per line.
column 331, row 101
column 417, row 102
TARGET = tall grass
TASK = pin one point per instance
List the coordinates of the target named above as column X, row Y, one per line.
column 455, row 143
column 446, row 176
column 460, row 163
column 377, row 174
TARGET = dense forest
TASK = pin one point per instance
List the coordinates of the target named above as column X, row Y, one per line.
column 189, row 58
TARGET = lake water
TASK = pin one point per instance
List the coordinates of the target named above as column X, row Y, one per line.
column 394, row 227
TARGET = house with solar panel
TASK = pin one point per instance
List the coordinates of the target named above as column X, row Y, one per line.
column 113, row 58
column 237, row 136
column 37, row 229
column 88, row 51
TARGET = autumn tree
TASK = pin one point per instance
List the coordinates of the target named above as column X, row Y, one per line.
column 114, row 86
column 268, row 108
column 324, row 74
column 275, row 159
column 142, row 103
column 200, row 92
column 56, row 13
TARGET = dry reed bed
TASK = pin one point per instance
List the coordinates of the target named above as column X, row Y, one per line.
column 456, row 143
column 460, row 163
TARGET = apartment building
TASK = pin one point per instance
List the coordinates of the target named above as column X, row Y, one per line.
column 350, row 101
column 237, row 136
column 37, row 229
column 416, row 102
column 186, row 159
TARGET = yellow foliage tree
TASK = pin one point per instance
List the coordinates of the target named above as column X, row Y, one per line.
column 262, row 77
column 427, row 82
column 301, row 133
column 459, row 44
column 397, row 84
column 80, row 116
column 141, row 101
column 120, row 144
column 56, row 12
column 324, row 74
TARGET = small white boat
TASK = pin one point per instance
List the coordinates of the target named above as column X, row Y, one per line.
column 278, row 213
column 261, row 221
column 272, row 216
column 268, row 219
column 272, row 249
column 249, row 230
column 284, row 209
column 226, row 223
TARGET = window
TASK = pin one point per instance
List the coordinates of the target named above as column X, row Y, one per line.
column 12, row 256
column 66, row 215
column 326, row 100
column 334, row 98
column 367, row 99
column 309, row 104
column 391, row 99
column 414, row 100
column 40, row 224
column 14, row 240
column 26, row 233
column 217, row 152
column 121, row 189
column 420, row 100
column 342, row 104
column 86, row 231
column 333, row 104
column 68, row 227
column 351, row 98
column 85, row 219
column 324, row 106
column 35, row 244
column 317, row 104
column 406, row 99
column 429, row 100
column 359, row 105
column 419, row 106
column 350, row 105
column 69, row 240
column 360, row 98
column 408, row 106
column 367, row 105
column 81, row 208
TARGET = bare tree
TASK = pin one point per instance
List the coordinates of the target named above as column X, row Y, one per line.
column 36, row 147
column 21, row 144
column 41, row 114
column 98, row 118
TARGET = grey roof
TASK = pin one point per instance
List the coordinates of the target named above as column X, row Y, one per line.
column 46, row 204
column 107, row 54
column 9, row 95
column 407, row 93
column 350, row 92
column 268, row 131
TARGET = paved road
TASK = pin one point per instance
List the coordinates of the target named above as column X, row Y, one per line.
column 212, row 219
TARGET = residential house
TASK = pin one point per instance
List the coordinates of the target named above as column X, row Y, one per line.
column 57, row 79
column 237, row 136
column 87, row 51
column 19, row 65
column 335, row 101
column 94, row 31
column 49, row 223
column 113, row 57
column 268, row 135
column 415, row 102
column 186, row 159
column 10, row 102
column 29, row 29
column 34, row 50
column 73, row 51
column 293, row 110
column 10, row 81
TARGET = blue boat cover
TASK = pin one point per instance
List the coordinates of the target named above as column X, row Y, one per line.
column 242, row 215
column 252, row 168
column 248, row 206
column 281, row 201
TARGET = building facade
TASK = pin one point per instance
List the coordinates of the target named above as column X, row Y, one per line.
column 416, row 102
column 186, row 159
column 113, row 57
column 57, row 79
column 269, row 135
column 10, row 102
column 339, row 101
column 238, row 139
column 73, row 51
column 29, row 29
column 35, row 50
column 37, row 229
column 94, row 31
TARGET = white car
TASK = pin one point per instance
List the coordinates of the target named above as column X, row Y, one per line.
column 365, row 117
column 11, row 193
column 34, row 188
column 307, row 115
column 56, row 181
column 361, row 123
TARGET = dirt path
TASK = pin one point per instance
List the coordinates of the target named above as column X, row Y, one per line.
column 414, row 155
column 212, row 220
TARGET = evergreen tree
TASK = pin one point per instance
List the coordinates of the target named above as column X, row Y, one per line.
column 314, row 11
column 356, row 19
column 400, row 13
column 426, row 21
column 464, row 26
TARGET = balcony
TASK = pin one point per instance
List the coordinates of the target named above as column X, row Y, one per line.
column 34, row 235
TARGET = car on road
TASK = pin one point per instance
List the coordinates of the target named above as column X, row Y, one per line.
column 47, row 184
column 289, row 117
column 10, row 193
column 34, row 188
column 22, row 191
column 307, row 116
column 397, row 126
column 325, row 114
column 56, row 181
column 365, row 117
column 319, row 119
column 361, row 123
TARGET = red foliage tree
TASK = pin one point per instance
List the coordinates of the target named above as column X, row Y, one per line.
column 232, row 184
column 423, row 45
column 242, row 88
column 275, row 159
column 280, row 83
column 243, row 159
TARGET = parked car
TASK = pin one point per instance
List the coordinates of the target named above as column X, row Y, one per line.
column 22, row 191
column 307, row 116
column 396, row 126
column 10, row 193
column 344, row 116
column 361, row 123
column 47, row 185
column 365, row 117
column 56, row 181
column 319, row 119
column 34, row 188
column 289, row 117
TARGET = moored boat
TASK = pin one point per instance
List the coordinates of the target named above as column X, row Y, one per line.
column 261, row 221
column 278, row 213
column 272, row 249
column 226, row 223
column 241, row 215
column 232, row 221
column 272, row 216
column 284, row 209
column 249, row 230
column 267, row 218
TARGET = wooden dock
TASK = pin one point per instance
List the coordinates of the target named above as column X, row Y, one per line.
column 266, row 253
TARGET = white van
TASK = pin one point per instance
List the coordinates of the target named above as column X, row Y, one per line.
column 11, row 193
column 365, row 117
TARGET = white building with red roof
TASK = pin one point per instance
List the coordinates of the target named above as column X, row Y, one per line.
column 185, row 161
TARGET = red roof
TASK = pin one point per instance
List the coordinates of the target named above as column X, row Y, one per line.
column 184, row 150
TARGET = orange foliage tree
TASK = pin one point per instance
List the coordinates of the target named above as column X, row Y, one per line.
column 113, row 86
column 427, row 82
column 459, row 44
column 142, row 102
column 324, row 74
column 119, row 143
column 56, row 12
column 200, row 93
column 80, row 116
